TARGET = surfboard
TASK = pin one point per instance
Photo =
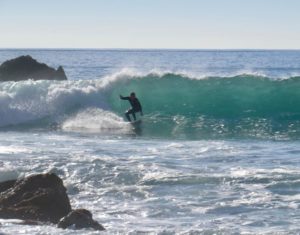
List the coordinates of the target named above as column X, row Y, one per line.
column 137, row 127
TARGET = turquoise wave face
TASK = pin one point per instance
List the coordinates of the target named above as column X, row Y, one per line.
column 235, row 97
column 245, row 106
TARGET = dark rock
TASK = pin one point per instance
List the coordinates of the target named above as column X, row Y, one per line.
column 6, row 185
column 25, row 67
column 40, row 197
column 61, row 73
column 80, row 218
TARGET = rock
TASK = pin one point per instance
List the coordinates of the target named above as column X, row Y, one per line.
column 25, row 67
column 40, row 197
column 6, row 185
column 80, row 218
column 60, row 73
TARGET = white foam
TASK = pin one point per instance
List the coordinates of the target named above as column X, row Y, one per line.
column 13, row 149
column 8, row 174
column 129, row 73
column 31, row 100
column 96, row 120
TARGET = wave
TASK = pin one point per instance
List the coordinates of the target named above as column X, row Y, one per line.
column 175, row 105
column 230, row 97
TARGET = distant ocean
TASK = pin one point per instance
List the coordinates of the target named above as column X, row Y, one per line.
column 218, row 150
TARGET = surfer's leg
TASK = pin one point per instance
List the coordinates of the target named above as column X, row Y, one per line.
column 127, row 115
column 133, row 115
column 130, row 111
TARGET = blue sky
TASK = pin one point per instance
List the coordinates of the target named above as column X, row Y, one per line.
column 202, row 24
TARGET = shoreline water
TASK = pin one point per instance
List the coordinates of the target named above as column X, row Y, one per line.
column 167, row 183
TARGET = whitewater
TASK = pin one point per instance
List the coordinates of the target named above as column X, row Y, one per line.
column 217, row 151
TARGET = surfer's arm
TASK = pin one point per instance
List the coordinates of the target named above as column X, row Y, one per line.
column 124, row 98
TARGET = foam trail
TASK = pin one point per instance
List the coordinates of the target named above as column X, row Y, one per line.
column 97, row 120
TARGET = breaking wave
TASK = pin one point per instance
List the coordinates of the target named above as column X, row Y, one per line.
column 175, row 106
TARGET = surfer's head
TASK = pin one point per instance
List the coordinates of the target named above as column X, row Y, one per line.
column 132, row 95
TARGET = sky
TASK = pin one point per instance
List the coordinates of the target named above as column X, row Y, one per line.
column 170, row 24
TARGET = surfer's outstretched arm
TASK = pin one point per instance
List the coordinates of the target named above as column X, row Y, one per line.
column 124, row 97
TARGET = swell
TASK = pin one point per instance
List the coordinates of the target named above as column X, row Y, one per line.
column 175, row 106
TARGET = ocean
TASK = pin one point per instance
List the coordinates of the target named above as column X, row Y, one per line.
column 217, row 151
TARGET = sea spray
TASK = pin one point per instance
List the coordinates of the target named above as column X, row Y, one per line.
column 97, row 120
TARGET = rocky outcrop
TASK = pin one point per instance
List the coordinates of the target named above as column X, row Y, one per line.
column 80, row 218
column 42, row 198
column 7, row 185
column 25, row 67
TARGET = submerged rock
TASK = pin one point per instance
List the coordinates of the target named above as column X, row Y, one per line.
column 25, row 67
column 42, row 198
column 80, row 218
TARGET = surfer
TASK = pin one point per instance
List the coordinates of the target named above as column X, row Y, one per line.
column 135, row 106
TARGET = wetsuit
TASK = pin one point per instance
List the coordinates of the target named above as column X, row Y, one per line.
column 135, row 107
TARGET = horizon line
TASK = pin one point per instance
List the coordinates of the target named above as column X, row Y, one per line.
column 166, row 49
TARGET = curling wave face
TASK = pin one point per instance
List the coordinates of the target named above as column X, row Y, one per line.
column 176, row 106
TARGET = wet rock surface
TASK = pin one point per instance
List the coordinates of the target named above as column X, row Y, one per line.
column 80, row 218
column 42, row 198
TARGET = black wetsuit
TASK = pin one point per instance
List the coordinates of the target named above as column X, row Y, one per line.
column 135, row 107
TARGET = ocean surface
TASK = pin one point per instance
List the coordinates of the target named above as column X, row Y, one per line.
column 218, row 150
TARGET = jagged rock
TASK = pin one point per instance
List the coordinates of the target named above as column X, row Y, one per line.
column 80, row 218
column 6, row 185
column 25, row 67
column 42, row 198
